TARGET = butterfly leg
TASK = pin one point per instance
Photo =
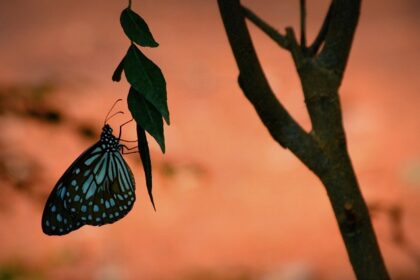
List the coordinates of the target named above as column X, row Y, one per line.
column 121, row 126
column 124, row 152
column 128, row 141
column 127, row 153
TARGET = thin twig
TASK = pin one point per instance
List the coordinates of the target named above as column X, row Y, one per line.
column 320, row 38
column 303, row 24
column 129, row 4
column 265, row 27
column 293, row 47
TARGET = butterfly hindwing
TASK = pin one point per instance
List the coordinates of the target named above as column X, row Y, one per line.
column 107, row 191
column 120, row 197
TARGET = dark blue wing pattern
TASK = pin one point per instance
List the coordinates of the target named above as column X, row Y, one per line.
column 97, row 189
column 106, row 192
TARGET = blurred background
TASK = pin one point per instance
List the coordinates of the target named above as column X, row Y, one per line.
column 231, row 203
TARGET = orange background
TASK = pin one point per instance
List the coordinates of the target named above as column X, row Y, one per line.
column 232, row 204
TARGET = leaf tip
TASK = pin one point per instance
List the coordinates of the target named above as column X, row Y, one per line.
column 116, row 78
column 167, row 120
column 154, row 44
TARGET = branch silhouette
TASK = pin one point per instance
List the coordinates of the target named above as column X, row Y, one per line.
column 324, row 149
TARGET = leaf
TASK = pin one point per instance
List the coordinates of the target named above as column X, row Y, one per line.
column 116, row 77
column 136, row 29
column 146, row 77
column 145, row 159
column 147, row 116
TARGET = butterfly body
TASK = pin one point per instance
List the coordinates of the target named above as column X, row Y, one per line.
column 97, row 189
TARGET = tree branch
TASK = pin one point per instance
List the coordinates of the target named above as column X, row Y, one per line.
column 339, row 37
column 303, row 24
column 320, row 38
column 324, row 150
column 265, row 27
column 282, row 127
column 293, row 47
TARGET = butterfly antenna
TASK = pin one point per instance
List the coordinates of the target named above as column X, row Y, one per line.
column 110, row 110
column 116, row 113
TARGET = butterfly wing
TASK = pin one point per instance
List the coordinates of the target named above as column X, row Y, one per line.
column 56, row 218
column 108, row 190
column 97, row 189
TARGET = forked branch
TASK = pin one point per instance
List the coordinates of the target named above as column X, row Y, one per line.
column 324, row 150
column 283, row 128
column 320, row 38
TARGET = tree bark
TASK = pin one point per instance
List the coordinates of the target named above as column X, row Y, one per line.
column 323, row 150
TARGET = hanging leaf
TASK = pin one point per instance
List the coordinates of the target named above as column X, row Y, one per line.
column 136, row 29
column 146, row 78
column 145, row 159
column 116, row 77
column 147, row 116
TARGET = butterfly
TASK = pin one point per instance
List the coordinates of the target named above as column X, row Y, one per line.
column 98, row 188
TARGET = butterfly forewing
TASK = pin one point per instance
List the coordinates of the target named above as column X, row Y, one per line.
column 56, row 220
column 97, row 189
column 57, row 205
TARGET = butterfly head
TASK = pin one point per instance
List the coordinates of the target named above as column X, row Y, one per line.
column 108, row 140
column 107, row 129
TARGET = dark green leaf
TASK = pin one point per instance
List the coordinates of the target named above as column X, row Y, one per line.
column 146, row 78
column 147, row 116
column 116, row 77
column 136, row 29
column 145, row 159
